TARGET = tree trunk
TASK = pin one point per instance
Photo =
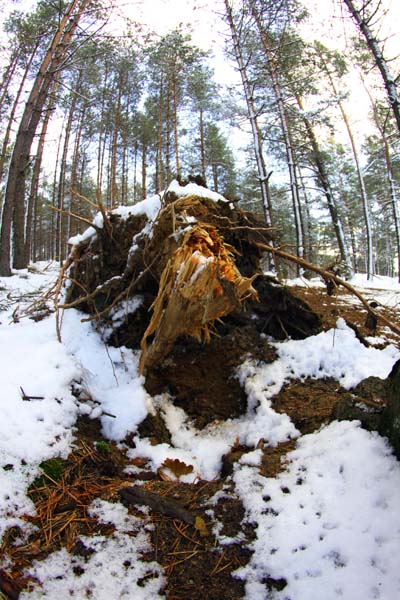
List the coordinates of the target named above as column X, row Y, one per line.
column 255, row 128
column 144, row 171
column 8, row 75
column 102, row 136
column 287, row 138
column 60, row 234
column 32, row 202
column 168, row 133
column 202, row 146
column 361, row 182
column 75, row 183
column 7, row 135
column 124, row 166
column 114, row 189
column 389, row 172
column 176, row 133
column 54, row 219
column 14, row 203
column 160, row 181
column 325, row 184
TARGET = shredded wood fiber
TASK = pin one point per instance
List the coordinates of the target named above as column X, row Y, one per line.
column 200, row 283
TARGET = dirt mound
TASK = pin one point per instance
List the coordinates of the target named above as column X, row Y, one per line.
column 164, row 286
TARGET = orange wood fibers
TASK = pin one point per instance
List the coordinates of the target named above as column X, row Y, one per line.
column 200, row 283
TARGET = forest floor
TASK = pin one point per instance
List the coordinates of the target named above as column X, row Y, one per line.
column 199, row 553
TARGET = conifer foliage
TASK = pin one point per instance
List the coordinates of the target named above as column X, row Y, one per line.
column 91, row 119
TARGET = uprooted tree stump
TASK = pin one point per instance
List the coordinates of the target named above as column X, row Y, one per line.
column 187, row 289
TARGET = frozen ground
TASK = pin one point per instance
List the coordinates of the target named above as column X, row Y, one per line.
column 329, row 524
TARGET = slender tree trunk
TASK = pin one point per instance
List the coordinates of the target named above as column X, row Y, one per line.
column 7, row 135
column 255, row 128
column 75, row 183
column 8, row 75
column 168, row 134
column 54, row 219
column 144, row 171
column 373, row 45
column 214, row 168
column 176, row 132
column 390, row 177
column 124, row 166
column 115, row 195
column 60, row 235
column 285, row 126
column 160, row 142
column 101, row 143
column 307, row 223
column 202, row 145
column 14, row 202
column 325, row 184
column 361, row 182
column 33, row 194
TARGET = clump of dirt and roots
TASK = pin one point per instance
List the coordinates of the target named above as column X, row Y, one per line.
column 190, row 292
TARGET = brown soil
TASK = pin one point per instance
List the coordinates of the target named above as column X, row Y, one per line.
column 345, row 305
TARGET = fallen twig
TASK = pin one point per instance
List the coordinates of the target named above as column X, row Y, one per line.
column 74, row 216
column 29, row 398
column 170, row 508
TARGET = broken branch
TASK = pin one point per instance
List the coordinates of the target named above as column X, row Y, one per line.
column 157, row 503
column 331, row 277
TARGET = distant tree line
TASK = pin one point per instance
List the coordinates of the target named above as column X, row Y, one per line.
column 90, row 120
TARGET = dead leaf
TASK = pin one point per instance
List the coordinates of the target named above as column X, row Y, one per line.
column 176, row 467
column 201, row 527
column 139, row 461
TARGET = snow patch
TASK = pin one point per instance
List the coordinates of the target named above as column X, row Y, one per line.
column 329, row 522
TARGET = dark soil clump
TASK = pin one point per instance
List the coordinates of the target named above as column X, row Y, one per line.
column 201, row 378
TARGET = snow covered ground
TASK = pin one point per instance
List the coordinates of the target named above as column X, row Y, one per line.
column 329, row 524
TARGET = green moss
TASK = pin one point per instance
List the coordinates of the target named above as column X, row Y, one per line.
column 103, row 447
column 52, row 469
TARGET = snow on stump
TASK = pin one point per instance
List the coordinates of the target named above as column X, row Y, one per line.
column 165, row 275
